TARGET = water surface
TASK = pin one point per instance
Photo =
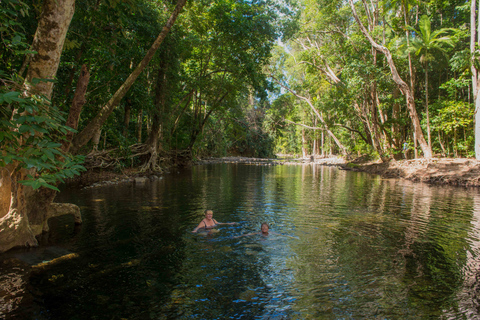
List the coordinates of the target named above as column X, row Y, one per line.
column 349, row 246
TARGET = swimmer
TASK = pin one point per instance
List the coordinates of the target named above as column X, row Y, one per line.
column 209, row 222
column 264, row 231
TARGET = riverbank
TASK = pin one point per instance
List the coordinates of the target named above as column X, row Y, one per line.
column 439, row 171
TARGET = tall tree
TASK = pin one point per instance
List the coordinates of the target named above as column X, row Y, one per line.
column 404, row 88
column 424, row 46
column 15, row 226
column 406, row 6
column 318, row 115
column 82, row 138
column 229, row 43
column 474, row 45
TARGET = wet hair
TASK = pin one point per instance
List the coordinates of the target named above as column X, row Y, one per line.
column 207, row 211
column 265, row 224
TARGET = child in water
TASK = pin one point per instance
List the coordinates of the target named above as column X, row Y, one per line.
column 264, row 231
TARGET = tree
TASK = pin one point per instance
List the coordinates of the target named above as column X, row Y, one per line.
column 15, row 224
column 474, row 44
column 424, row 46
column 404, row 88
column 226, row 47
column 406, row 6
column 317, row 114
column 96, row 123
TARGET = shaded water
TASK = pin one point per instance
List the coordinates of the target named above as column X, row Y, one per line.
column 350, row 246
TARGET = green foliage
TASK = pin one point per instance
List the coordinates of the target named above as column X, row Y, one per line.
column 13, row 45
column 224, row 49
column 429, row 41
column 453, row 118
column 254, row 143
column 216, row 83
column 30, row 129
column 330, row 62
column 30, row 136
column 453, row 115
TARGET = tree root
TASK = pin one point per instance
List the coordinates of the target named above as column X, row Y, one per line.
column 153, row 161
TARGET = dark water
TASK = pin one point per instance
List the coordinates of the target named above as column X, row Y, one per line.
column 350, row 246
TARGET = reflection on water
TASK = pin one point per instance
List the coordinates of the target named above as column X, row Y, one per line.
column 349, row 246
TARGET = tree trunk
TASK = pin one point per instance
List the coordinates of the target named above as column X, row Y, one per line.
column 455, row 143
column 96, row 140
column 139, row 125
column 444, row 152
column 374, row 111
column 126, row 117
column 87, row 133
column 68, row 85
column 77, row 105
column 426, row 108
column 154, row 137
column 396, row 116
column 80, row 52
column 323, row 145
column 404, row 88
column 201, row 117
column 475, row 75
column 197, row 129
column 304, row 143
column 415, row 145
column 152, row 144
column 376, row 130
column 14, row 225
column 363, row 116
column 48, row 43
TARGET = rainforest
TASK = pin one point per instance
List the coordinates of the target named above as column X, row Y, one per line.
column 146, row 85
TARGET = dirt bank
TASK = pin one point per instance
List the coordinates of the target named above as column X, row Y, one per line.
column 444, row 171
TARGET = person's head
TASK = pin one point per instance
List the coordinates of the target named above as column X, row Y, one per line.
column 208, row 214
column 264, row 227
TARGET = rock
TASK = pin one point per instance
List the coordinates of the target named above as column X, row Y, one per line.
column 60, row 209
column 140, row 180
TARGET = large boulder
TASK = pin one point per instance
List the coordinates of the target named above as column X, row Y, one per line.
column 55, row 210
column 15, row 230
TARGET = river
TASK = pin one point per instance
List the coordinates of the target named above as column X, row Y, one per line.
column 347, row 245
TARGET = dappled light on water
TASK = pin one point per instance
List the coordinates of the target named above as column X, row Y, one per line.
column 343, row 245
